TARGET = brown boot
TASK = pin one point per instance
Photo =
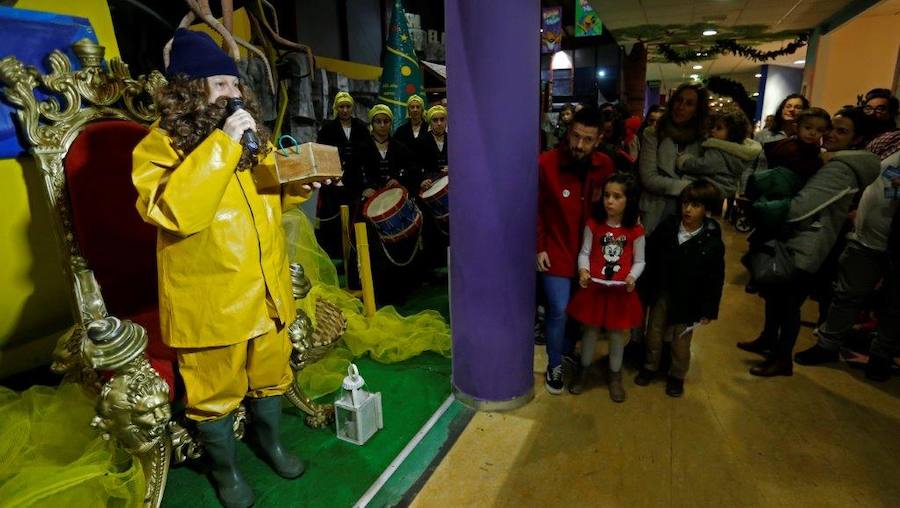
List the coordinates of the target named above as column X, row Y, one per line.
column 616, row 390
column 761, row 345
column 772, row 368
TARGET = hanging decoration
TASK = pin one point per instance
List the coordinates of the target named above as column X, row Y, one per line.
column 551, row 29
column 587, row 23
column 730, row 93
column 682, row 56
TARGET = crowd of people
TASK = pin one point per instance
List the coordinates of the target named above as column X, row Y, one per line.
column 628, row 243
column 375, row 157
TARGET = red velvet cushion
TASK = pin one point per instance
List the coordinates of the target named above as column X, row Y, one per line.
column 162, row 357
column 119, row 246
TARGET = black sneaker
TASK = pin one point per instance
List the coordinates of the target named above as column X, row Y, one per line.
column 674, row 386
column 816, row 355
column 553, row 380
column 644, row 377
column 878, row 368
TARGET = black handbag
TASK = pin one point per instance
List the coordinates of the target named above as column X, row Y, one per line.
column 770, row 263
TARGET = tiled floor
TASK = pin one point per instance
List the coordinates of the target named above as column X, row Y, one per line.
column 824, row 437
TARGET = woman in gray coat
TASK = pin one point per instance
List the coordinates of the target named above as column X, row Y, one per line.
column 680, row 130
column 816, row 217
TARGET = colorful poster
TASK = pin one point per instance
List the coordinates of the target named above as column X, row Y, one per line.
column 402, row 75
column 587, row 23
column 551, row 29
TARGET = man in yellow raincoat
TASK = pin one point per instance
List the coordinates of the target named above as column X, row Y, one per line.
column 225, row 296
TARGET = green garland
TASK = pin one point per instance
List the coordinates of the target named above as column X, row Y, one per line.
column 729, row 46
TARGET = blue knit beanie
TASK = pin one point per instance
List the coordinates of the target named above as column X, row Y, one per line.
column 197, row 55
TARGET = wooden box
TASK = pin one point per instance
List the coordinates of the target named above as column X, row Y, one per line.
column 306, row 163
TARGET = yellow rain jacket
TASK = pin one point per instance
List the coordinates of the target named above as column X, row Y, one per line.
column 220, row 247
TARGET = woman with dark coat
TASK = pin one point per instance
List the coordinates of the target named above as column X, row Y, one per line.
column 817, row 215
column 382, row 161
column 432, row 147
column 415, row 128
column 785, row 120
column 344, row 131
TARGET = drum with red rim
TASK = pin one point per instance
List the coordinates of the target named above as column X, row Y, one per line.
column 437, row 198
column 393, row 214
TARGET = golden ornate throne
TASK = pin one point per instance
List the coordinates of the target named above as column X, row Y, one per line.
column 82, row 126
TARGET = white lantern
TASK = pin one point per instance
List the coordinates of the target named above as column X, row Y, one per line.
column 357, row 413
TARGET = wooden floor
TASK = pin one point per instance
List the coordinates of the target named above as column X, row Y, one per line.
column 825, row 437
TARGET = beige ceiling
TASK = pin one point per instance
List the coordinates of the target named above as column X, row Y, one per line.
column 778, row 15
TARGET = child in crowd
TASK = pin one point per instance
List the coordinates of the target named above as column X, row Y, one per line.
column 683, row 283
column 609, row 264
column 792, row 161
column 801, row 153
column 728, row 154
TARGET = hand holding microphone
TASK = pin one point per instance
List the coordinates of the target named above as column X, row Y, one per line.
column 240, row 125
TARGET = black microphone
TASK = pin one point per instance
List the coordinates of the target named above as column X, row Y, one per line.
column 249, row 139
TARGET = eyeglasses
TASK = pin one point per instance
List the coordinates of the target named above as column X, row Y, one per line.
column 870, row 109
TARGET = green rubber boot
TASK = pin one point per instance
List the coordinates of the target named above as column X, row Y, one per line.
column 266, row 413
column 219, row 444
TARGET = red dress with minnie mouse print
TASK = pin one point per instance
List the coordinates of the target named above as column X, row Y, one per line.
column 605, row 303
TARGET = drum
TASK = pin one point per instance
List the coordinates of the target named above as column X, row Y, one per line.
column 393, row 214
column 437, row 199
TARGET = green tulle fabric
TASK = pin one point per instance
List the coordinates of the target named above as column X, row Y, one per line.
column 50, row 455
column 388, row 337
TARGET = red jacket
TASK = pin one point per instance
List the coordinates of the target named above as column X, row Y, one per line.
column 563, row 207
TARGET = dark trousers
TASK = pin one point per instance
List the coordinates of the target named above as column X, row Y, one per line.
column 861, row 269
column 783, row 303
column 887, row 340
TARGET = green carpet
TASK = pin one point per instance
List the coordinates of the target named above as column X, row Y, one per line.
column 338, row 473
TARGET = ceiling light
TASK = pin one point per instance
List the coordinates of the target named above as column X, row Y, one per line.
column 709, row 32
column 757, row 75
column 800, row 62
column 755, row 94
column 699, row 54
column 698, row 67
column 601, row 73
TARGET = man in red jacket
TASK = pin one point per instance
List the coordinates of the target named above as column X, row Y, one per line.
column 568, row 183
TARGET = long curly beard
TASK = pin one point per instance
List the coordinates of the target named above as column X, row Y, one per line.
column 189, row 118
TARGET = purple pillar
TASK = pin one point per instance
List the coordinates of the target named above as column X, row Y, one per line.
column 493, row 94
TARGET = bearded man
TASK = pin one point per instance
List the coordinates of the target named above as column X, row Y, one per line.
column 225, row 297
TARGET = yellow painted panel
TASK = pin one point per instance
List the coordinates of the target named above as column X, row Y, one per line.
column 350, row 69
column 34, row 302
column 241, row 28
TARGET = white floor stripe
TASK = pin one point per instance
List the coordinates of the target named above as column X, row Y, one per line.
column 370, row 494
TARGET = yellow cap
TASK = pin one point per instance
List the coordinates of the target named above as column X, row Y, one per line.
column 415, row 99
column 341, row 98
column 435, row 110
column 380, row 109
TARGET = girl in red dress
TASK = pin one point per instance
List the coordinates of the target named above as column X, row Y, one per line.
column 609, row 264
